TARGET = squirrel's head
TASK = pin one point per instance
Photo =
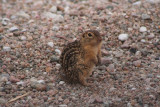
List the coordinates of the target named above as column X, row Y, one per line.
column 91, row 37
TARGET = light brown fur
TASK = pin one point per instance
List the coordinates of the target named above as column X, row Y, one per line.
column 87, row 55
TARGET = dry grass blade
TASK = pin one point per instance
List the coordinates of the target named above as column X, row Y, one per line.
column 18, row 97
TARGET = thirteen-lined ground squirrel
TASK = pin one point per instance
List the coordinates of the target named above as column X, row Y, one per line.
column 79, row 57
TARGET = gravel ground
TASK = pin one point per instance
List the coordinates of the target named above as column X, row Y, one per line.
column 33, row 33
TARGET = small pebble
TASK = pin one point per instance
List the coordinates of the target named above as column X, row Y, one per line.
column 23, row 14
column 6, row 48
column 153, row 1
column 23, row 38
column 54, row 17
column 2, row 101
column 118, row 54
column 137, row 3
column 106, row 61
column 5, row 21
column 41, row 87
column 123, row 37
column 2, row 89
column 58, row 65
column 158, row 76
column 143, row 29
column 33, row 82
column 50, row 44
column 53, row 9
column 52, row 92
column 3, row 79
column 143, row 40
column 17, row 33
column 137, row 63
column 1, row 37
column 58, row 51
column 133, row 50
column 133, row 89
column 55, row 28
column 1, row 30
column 151, row 36
column 14, row 79
column 41, row 81
column 63, row 105
column 20, row 83
column 129, row 105
column 145, row 16
column 28, row 44
column 61, row 82
column 54, row 59
column 111, row 68
column 13, row 29
column 66, row 101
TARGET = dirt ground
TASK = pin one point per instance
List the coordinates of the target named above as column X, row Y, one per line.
column 34, row 32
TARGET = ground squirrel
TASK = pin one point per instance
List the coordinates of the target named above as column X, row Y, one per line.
column 79, row 57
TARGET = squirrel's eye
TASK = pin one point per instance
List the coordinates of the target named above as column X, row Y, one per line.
column 89, row 34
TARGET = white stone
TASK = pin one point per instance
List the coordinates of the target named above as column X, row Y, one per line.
column 158, row 76
column 123, row 37
column 23, row 14
column 20, row 83
column 24, row 30
column 41, row 81
column 112, row 89
column 54, row 17
column 137, row 3
column 33, row 79
column 44, row 73
column 145, row 16
column 58, row 51
column 53, row 9
column 14, row 28
column 143, row 29
column 153, row 1
column 5, row 21
column 30, row 21
column 28, row 1
column 50, row 44
column 66, row 9
column 130, row 29
column 61, row 82
column 58, row 65
column 38, row 3
column 151, row 36
column 55, row 28
column 3, row 79
column 6, row 48
column 133, row 88
column 13, row 17
column 63, row 105
column 143, row 40
column 23, row 38
column 129, row 105
column 74, row 39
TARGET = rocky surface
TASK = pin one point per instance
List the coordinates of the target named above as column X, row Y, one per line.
column 33, row 33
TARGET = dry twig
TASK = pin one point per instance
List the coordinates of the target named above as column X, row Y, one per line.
column 18, row 97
